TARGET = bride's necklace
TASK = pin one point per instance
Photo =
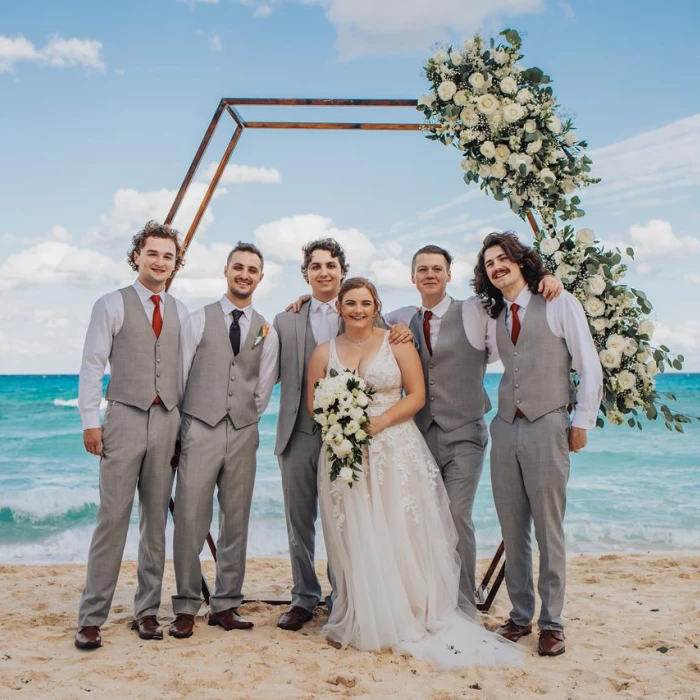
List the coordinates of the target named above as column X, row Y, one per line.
column 358, row 342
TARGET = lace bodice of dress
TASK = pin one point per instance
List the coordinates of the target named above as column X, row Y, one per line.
column 383, row 375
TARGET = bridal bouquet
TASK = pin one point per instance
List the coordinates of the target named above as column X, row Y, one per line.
column 340, row 408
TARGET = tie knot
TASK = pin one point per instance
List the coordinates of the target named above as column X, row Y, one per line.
column 514, row 308
column 237, row 313
column 156, row 299
column 427, row 315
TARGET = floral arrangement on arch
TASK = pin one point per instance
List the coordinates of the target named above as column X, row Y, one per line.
column 504, row 120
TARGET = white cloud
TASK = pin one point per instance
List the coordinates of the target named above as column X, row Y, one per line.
column 241, row 174
column 194, row 3
column 57, row 262
column 681, row 339
column 391, row 273
column 213, row 40
column 59, row 233
column 658, row 239
column 693, row 279
column 58, row 52
column 262, row 11
column 659, row 160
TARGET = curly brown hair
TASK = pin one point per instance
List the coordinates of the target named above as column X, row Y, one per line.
column 331, row 246
column 528, row 258
column 153, row 229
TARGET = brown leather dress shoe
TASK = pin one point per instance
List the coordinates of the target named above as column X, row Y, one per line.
column 512, row 632
column 148, row 627
column 182, row 626
column 88, row 638
column 551, row 643
column 229, row 620
column 294, row 619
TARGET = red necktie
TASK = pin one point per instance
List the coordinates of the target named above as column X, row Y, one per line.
column 427, row 315
column 157, row 318
column 157, row 325
column 515, row 326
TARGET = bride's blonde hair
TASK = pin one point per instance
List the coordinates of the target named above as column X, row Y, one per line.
column 361, row 283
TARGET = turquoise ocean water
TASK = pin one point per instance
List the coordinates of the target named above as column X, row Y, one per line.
column 628, row 491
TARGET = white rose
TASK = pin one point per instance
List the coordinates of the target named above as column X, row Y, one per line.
column 342, row 449
column 351, row 428
column 548, row 246
column 345, row 475
column 513, row 112
column 456, row 57
column 440, row 56
column 515, row 160
column 567, row 273
column 356, row 413
column 501, row 57
column 570, row 139
column 484, row 170
column 498, row 170
column 626, row 380
column 530, row 126
column 321, row 419
column 585, row 236
column 646, row 328
column 427, row 100
column 477, row 81
column 595, row 285
column 594, row 306
column 554, row 124
column 631, row 347
column 558, row 257
column 643, row 355
column 616, row 342
column 599, row 324
column 652, row 369
column 546, row 174
column 534, row 147
column 469, row 117
column 361, row 399
column 609, row 358
column 508, row 85
column 523, row 96
column 502, row 153
column 360, row 435
column 568, row 186
column 446, row 90
column 488, row 150
column 487, row 104
column 461, row 98
column 332, row 419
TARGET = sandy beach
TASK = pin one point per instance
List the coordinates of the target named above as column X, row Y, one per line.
column 633, row 630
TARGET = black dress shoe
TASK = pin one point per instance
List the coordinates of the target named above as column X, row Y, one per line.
column 229, row 620
column 182, row 626
column 88, row 637
column 148, row 627
column 294, row 619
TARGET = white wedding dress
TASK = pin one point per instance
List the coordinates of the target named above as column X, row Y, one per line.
column 391, row 546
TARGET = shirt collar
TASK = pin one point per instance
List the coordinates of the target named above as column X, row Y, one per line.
column 523, row 299
column 316, row 304
column 145, row 294
column 228, row 306
column 440, row 309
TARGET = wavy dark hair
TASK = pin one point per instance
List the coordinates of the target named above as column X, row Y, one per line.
column 154, row 230
column 242, row 247
column 528, row 258
column 328, row 244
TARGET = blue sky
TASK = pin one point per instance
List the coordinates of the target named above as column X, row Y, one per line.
column 104, row 104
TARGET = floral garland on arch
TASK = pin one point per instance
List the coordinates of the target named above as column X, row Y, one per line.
column 503, row 119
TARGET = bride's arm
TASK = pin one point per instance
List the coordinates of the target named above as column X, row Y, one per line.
column 413, row 386
column 315, row 371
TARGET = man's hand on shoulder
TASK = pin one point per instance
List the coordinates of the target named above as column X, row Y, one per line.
column 577, row 439
column 550, row 287
column 296, row 305
column 400, row 333
column 92, row 439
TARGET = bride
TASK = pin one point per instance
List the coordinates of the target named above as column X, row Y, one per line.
column 391, row 541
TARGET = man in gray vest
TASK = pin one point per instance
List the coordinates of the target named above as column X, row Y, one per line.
column 229, row 366
column 532, row 435
column 456, row 341
column 307, row 323
column 136, row 330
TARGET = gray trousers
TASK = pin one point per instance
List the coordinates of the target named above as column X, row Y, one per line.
column 220, row 457
column 529, row 472
column 298, row 467
column 138, row 446
column 460, row 456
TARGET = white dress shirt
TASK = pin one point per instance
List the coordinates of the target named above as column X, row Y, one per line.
column 567, row 320
column 479, row 327
column 191, row 336
column 106, row 321
column 323, row 316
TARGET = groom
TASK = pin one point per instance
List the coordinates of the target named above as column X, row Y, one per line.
column 532, row 435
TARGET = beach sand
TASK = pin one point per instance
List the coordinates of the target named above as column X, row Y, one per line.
column 622, row 611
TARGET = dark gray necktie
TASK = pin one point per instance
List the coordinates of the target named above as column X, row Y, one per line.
column 234, row 333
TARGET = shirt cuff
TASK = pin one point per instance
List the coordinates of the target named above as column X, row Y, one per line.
column 91, row 419
column 584, row 419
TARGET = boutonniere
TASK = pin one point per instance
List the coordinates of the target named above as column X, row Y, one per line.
column 262, row 334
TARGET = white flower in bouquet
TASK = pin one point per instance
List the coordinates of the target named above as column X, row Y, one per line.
column 615, row 417
column 487, row 104
column 585, row 237
column 546, row 174
column 567, row 273
column 513, row 112
column 495, row 121
column 594, row 306
column 346, row 475
column 652, row 369
column 626, row 380
column 498, row 170
column 352, row 427
column 484, row 170
column 332, row 418
column 461, row 98
column 548, row 246
column 469, row 117
column 523, row 96
column 631, row 347
column 530, row 126
column 446, row 90
column 457, row 57
column 534, row 147
column 508, row 86
column 643, row 355
column 477, row 81
column 616, row 342
column 488, row 150
column 567, row 185
column 559, row 257
column 361, row 435
column 362, row 399
column 515, row 160
column 554, row 124
column 502, row 153
column 599, row 324
column 595, row 285
column 322, row 419
column 516, row 199
column 501, row 57
column 440, row 56
column 343, row 449
column 570, row 139
column 610, row 359
column 646, row 327
column 427, row 100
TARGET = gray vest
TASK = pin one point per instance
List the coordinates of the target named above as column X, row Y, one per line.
column 537, row 371
column 304, row 422
column 141, row 365
column 454, row 375
column 221, row 384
